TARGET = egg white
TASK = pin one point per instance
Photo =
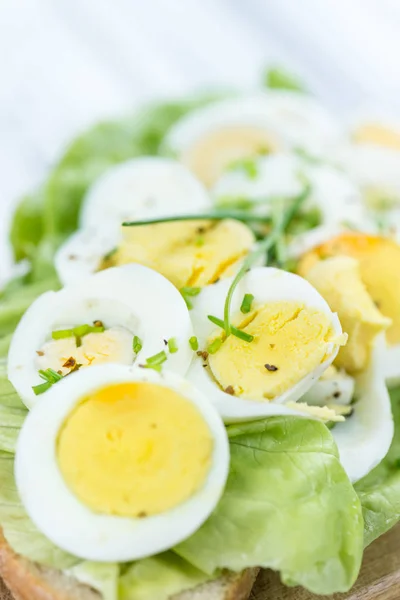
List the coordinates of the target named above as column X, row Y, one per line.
column 65, row 520
column 281, row 176
column 132, row 296
column 338, row 389
column 141, row 188
column 267, row 284
column 292, row 120
column 364, row 439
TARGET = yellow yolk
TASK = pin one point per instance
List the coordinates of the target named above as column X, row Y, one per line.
column 290, row 341
column 190, row 253
column 379, row 260
column 214, row 151
column 338, row 280
column 378, row 134
column 112, row 345
column 134, row 449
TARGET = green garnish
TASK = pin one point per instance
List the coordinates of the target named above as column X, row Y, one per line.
column 41, row 388
column 218, row 215
column 214, row 346
column 78, row 331
column 154, row 362
column 248, row 165
column 279, row 228
column 194, row 343
column 189, row 292
column 239, row 333
column 50, row 377
column 137, row 344
column 111, row 253
column 200, row 241
column 277, row 78
column 172, row 345
column 247, row 301
column 235, row 202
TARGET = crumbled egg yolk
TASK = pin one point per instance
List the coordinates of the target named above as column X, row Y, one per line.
column 377, row 134
column 338, row 280
column 123, row 451
column 378, row 258
column 331, row 413
column 290, row 341
column 112, row 345
column 190, row 253
column 216, row 150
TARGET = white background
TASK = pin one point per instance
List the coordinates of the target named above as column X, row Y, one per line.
column 67, row 63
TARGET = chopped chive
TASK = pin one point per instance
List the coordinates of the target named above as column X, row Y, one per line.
column 187, row 293
column 110, row 254
column 239, row 333
column 172, row 345
column 214, row 346
column 194, row 343
column 155, row 361
column 50, row 376
column 247, row 165
column 61, row 334
column 246, row 303
column 42, row 387
column 78, row 331
column 200, row 241
column 137, row 344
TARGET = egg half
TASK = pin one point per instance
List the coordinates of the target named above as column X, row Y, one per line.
column 122, row 315
column 295, row 338
column 282, row 175
column 121, row 463
column 141, row 188
column 377, row 257
column 208, row 139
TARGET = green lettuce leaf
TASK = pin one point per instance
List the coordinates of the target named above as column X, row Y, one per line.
column 159, row 577
column 45, row 218
column 19, row 530
column 278, row 78
column 102, row 577
column 288, row 505
column 379, row 491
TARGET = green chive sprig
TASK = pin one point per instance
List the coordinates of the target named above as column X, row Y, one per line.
column 50, row 377
column 247, row 301
column 137, row 344
column 172, row 345
column 155, row 362
column 188, row 293
column 239, row 333
column 194, row 343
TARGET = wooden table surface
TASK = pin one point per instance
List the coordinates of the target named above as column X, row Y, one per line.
column 379, row 578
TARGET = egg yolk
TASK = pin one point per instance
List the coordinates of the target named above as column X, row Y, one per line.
column 215, row 150
column 378, row 134
column 290, row 341
column 134, row 449
column 378, row 259
column 189, row 253
column 338, row 280
column 112, row 345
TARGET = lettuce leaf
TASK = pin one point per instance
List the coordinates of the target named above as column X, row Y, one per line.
column 45, row 218
column 159, row 577
column 102, row 577
column 379, row 491
column 288, row 505
column 278, row 78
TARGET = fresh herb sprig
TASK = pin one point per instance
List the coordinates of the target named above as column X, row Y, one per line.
column 50, row 377
column 217, row 215
column 279, row 228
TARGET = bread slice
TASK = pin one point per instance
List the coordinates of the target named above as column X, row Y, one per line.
column 30, row 581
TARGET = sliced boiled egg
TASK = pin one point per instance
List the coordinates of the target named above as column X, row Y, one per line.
column 364, row 438
column 142, row 188
column 188, row 253
column 119, row 463
column 279, row 176
column 209, row 139
column 334, row 388
column 376, row 258
column 292, row 337
column 123, row 315
column 372, row 159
